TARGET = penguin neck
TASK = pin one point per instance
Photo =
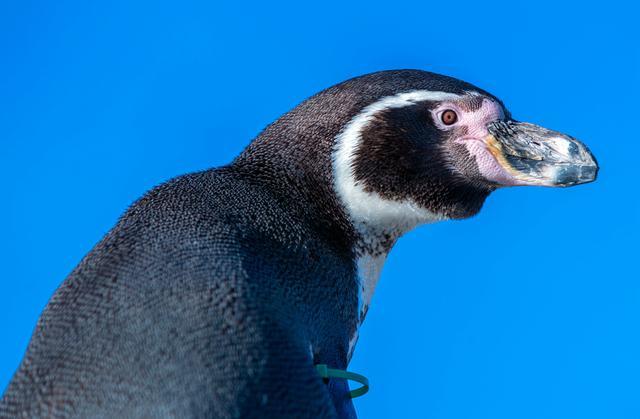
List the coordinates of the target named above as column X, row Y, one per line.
column 375, row 239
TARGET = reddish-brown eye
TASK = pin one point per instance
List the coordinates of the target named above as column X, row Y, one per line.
column 449, row 117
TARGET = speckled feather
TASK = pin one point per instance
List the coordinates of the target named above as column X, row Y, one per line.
column 216, row 293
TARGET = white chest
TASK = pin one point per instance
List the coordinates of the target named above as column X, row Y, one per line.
column 369, row 269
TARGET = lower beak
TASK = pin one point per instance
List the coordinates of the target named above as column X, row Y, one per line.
column 533, row 155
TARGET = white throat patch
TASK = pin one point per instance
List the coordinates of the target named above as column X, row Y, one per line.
column 372, row 215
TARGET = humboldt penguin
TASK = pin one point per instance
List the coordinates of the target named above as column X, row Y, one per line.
column 217, row 292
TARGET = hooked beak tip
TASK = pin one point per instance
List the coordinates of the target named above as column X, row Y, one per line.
column 537, row 156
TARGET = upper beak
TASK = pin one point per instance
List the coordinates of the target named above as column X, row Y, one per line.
column 533, row 155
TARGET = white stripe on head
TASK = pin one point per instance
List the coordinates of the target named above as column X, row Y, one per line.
column 369, row 208
column 370, row 213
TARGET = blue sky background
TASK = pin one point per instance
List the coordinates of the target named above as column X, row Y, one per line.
column 529, row 310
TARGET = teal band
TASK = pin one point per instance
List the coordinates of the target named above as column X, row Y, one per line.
column 326, row 372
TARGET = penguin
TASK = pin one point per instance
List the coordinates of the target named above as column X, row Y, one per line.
column 217, row 292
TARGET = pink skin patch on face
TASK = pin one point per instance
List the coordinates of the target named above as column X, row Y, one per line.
column 476, row 122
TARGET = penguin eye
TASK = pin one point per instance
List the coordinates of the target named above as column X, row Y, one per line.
column 449, row 117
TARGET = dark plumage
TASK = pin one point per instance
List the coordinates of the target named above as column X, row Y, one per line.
column 217, row 292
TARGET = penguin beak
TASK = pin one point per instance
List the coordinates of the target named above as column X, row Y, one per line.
column 533, row 155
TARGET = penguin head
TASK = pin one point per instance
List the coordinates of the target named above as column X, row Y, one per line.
column 433, row 147
column 381, row 153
